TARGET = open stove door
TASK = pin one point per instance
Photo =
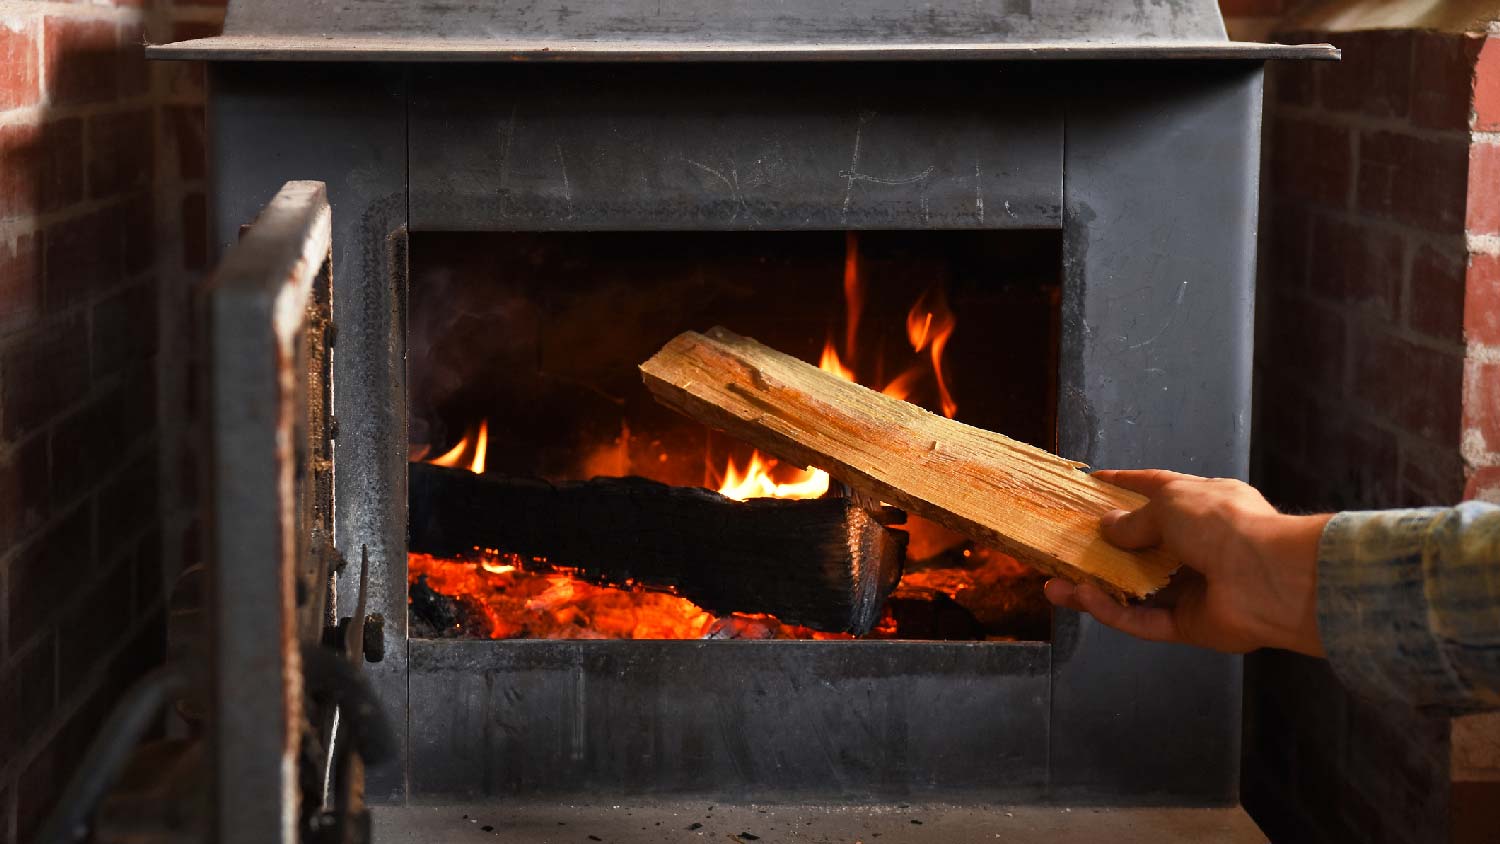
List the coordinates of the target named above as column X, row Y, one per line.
column 275, row 685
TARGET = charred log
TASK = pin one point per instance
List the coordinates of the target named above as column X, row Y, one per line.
column 438, row 616
column 827, row 563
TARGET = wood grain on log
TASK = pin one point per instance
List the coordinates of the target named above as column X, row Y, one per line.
column 822, row 563
column 1025, row 501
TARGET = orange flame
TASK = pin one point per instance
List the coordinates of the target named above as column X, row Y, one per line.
column 756, row 481
column 854, row 294
column 830, row 362
column 475, row 452
column 929, row 324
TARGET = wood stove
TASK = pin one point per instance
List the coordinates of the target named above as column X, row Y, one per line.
column 1108, row 149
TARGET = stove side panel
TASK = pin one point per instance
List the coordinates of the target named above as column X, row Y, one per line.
column 345, row 126
column 1160, row 193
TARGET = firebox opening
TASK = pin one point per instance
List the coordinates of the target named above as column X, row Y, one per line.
column 522, row 356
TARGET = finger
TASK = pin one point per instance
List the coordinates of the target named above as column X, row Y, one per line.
column 1062, row 593
column 1147, row 482
column 1151, row 623
column 1132, row 530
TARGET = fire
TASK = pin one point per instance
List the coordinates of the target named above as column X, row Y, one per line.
column 475, row 452
column 854, row 295
column 756, row 481
column 929, row 324
column 503, row 596
column 830, row 362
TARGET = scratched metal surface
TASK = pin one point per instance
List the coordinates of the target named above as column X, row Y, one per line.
column 343, row 48
column 751, row 720
column 809, row 21
column 734, row 147
column 688, row 821
column 1158, row 312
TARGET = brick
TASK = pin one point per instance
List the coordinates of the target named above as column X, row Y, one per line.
column 1356, row 265
column 1288, row 231
column 1482, row 300
column 20, row 281
column 185, row 131
column 37, row 675
column 130, row 61
column 1416, row 388
column 1282, row 424
column 92, row 627
column 1483, row 485
column 85, row 255
column 1443, row 78
column 150, row 588
column 36, row 789
column 25, row 491
column 139, row 234
column 1435, row 304
column 195, row 232
column 1305, row 342
column 43, row 167
column 1421, row 182
column 20, row 81
column 1373, row 78
column 1357, row 461
column 1295, row 83
column 1251, row 8
column 1481, row 406
column 83, row 61
column 1484, row 201
column 41, row 373
column 46, row 574
column 1487, row 86
column 1430, row 476
column 91, row 444
column 121, row 153
column 1311, row 160
column 124, row 330
column 128, row 505
column 7, row 814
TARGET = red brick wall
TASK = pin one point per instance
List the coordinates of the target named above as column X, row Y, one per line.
column 99, row 155
column 1376, row 383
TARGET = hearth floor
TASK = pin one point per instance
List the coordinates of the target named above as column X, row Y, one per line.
column 689, row 822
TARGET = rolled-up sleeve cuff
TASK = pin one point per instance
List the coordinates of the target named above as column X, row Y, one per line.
column 1373, row 610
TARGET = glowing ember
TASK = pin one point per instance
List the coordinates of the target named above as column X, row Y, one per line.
column 502, row 596
column 474, row 452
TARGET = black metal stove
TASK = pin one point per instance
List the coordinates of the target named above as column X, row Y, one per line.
column 1131, row 129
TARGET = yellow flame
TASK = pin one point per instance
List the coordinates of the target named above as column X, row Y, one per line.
column 455, row 456
column 929, row 324
column 830, row 362
column 756, row 481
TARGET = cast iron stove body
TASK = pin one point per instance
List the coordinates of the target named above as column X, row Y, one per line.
column 1130, row 128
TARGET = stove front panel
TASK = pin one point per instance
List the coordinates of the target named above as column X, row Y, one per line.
column 714, row 147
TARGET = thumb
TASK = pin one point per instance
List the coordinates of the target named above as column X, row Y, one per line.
column 1132, row 530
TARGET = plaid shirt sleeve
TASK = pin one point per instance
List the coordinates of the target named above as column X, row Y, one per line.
column 1409, row 604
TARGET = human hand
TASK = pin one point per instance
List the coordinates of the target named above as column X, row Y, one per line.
column 1249, row 577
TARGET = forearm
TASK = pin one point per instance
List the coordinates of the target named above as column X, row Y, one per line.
column 1409, row 604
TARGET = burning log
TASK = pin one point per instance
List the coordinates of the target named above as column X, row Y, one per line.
column 823, row 563
column 1031, row 504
